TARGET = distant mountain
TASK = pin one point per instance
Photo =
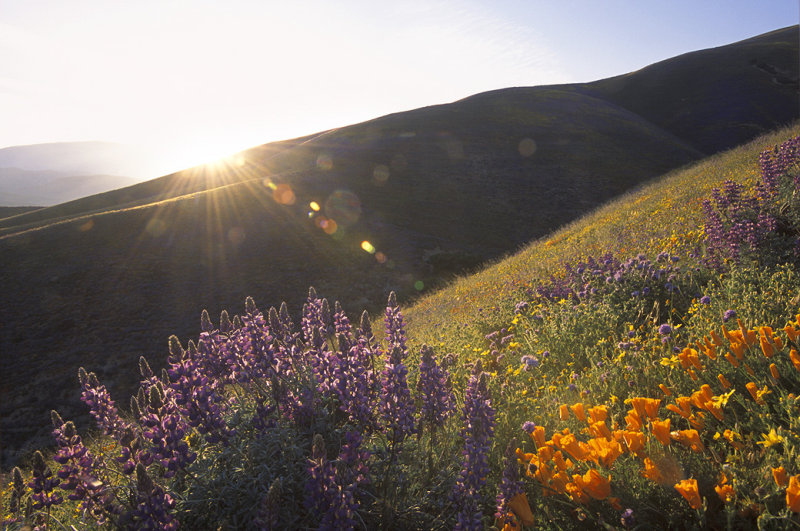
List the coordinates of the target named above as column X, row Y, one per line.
column 436, row 191
column 49, row 174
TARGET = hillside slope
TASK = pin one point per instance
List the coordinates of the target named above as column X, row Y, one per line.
column 102, row 280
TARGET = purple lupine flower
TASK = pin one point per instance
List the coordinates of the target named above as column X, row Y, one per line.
column 396, row 404
column 528, row 426
column 43, row 484
column 165, row 429
column 728, row 315
column 101, row 406
column 705, row 299
column 79, row 472
column 477, row 432
column 313, row 319
column 153, row 506
column 15, row 501
column 510, row 483
column 395, row 328
column 351, row 381
column 665, row 329
column 333, row 486
column 196, row 394
column 435, row 390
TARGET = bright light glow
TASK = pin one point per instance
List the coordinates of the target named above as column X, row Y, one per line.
column 203, row 80
column 314, row 206
column 368, row 247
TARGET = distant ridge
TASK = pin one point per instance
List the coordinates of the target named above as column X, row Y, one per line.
column 101, row 280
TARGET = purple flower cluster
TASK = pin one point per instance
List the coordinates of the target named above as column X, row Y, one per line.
column 477, row 432
column 152, row 507
column 44, row 485
column 101, row 406
column 333, row 486
column 165, row 429
column 196, row 394
column 396, row 404
column 79, row 472
column 435, row 390
column 510, row 483
column 738, row 223
column 616, row 281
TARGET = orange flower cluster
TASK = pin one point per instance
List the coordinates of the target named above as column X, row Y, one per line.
column 552, row 463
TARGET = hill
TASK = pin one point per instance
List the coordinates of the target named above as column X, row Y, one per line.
column 101, row 280
column 49, row 174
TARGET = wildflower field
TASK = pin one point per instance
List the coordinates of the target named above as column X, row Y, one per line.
column 639, row 368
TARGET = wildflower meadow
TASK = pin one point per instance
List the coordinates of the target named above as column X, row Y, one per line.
column 651, row 381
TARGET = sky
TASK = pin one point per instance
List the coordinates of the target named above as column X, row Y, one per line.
column 194, row 80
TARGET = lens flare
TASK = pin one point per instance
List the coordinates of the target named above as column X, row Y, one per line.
column 380, row 174
column 526, row 147
column 314, row 206
column 324, row 162
column 345, row 206
column 419, row 285
column 368, row 247
column 283, row 194
column 380, row 257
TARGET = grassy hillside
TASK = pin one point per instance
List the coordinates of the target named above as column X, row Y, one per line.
column 102, row 280
column 607, row 375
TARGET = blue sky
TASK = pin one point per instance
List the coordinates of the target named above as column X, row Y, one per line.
column 196, row 79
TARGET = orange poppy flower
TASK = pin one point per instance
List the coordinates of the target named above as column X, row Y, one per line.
column 638, row 404
column 707, row 392
column 635, row 441
column 793, row 494
column 753, row 388
column 724, row 490
column 791, row 333
column 598, row 413
column 633, row 420
column 688, row 489
column 575, row 491
column 545, row 454
column 563, row 412
column 665, row 389
column 717, row 340
column 778, row 343
column 559, row 482
column 731, row 359
column 795, row 357
column 766, row 347
column 558, row 459
column 730, row 337
column 651, row 407
column 596, row 485
column 773, row 370
column 579, row 412
column 519, row 504
column 724, row 381
column 538, row 436
column 661, row 431
column 689, row 438
column 781, row 479
column 571, row 445
column 749, row 369
column 738, row 349
column 599, row 429
column 651, row 471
